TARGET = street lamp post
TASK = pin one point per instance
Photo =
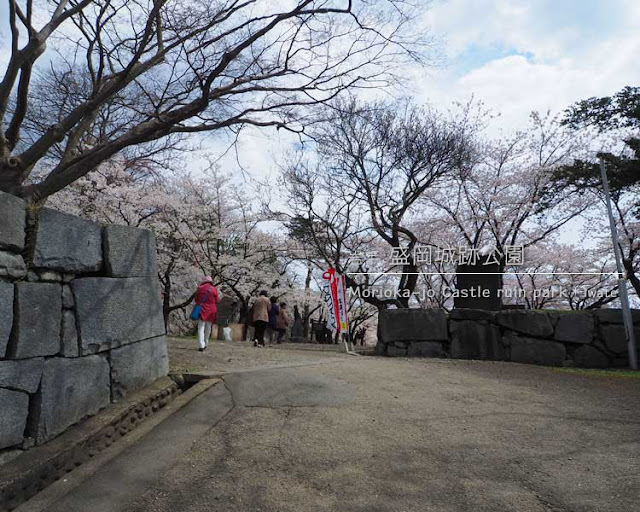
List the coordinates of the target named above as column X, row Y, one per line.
column 622, row 280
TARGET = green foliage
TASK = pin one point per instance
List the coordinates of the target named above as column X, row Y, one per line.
column 308, row 231
column 623, row 172
column 620, row 111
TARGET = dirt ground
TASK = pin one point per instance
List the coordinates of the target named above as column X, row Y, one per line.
column 229, row 356
column 299, row 430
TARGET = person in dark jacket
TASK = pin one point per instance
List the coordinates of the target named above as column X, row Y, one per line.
column 272, row 328
column 207, row 297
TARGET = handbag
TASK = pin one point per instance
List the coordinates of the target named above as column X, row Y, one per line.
column 197, row 309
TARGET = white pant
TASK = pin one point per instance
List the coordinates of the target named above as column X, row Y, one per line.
column 204, row 333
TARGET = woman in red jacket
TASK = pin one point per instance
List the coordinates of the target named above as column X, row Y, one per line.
column 207, row 297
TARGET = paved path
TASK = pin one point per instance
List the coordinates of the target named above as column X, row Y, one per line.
column 335, row 432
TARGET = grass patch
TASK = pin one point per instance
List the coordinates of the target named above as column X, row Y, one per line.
column 593, row 372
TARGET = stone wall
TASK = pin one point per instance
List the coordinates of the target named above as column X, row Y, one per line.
column 80, row 319
column 587, row 339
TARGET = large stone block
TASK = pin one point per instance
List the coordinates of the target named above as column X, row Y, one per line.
column 614, row 337
column 13, row 418
column 471, row 314
column 575, row 327
column 395, row 351
column 13, row 213
column 227, row 308
column 71, row 390
column 412, row 325
column 533, row 351
column 113, row 312
column 129, row 252
column 590, row 357
column 478, row 286
column 380, row 349
column 614, row 316
column 426, row 349
column 21, row 375
column 472, row 340
column 12, row 265
column 6, row 315
column 37, row 323
column 532, row 323
column 137, row 365
column 67, row 243
column 622, row 362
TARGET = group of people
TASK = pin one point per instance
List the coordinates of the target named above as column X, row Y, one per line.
column 270, row 319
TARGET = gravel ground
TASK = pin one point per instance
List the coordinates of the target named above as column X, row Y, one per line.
column 369, row 434
column 322, row 431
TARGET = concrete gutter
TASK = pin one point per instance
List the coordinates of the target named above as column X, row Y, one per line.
column 38, row 468
column 141, row 458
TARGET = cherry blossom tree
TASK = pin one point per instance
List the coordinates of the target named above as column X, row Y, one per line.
column 227, row 241
column 357, row 187
column 562, row 276
column 506, row 198
column 203, row 225
column 328, row 228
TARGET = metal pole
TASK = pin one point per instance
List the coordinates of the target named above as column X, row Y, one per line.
column 622, row 280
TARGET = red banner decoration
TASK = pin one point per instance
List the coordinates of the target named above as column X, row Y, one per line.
column 335, row 298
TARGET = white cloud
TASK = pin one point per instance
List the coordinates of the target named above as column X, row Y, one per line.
column 524, row 27
column 560, row 66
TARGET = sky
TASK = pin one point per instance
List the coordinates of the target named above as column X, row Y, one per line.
column 518, row 56
column 515, row 56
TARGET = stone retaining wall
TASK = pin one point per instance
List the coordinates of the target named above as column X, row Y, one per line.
column 81, row 319
column 587, row 339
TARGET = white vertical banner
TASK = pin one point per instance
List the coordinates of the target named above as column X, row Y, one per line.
column 334, row 294
column 329, row 296
column 342, row 303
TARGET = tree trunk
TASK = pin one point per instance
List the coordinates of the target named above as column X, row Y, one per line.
column 10, row 179
column 166, row 300
column 631, row 275
column 407, row 285
column 305, row 310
